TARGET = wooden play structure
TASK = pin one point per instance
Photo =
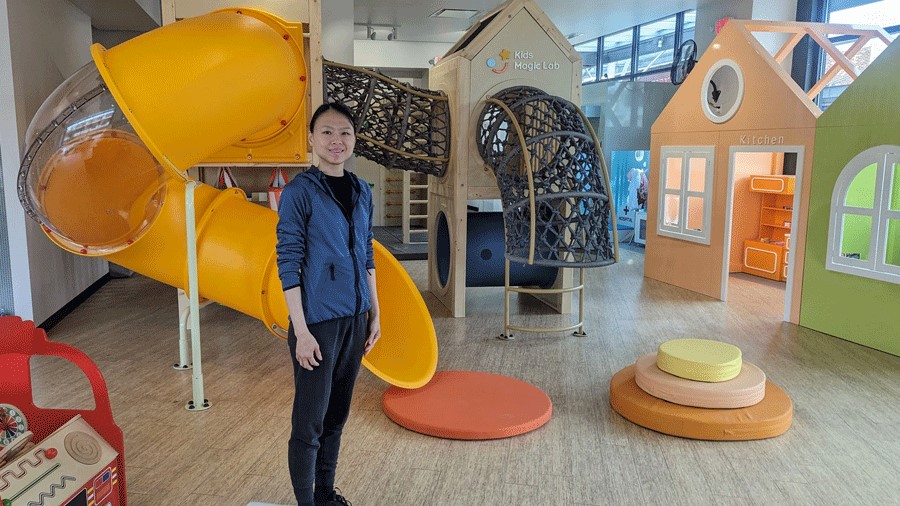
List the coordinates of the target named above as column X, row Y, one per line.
column 851, row 285
column 739, row 120
column 514, row 44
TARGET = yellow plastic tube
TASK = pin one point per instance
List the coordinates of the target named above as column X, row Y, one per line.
column 189, row 90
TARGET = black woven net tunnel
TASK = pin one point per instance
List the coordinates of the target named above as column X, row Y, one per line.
column 398, row 126
column 552, row 178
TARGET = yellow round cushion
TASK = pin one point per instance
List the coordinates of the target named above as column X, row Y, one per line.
column 699, row 359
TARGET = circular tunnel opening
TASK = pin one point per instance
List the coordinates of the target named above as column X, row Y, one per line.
column 87, row 177
column 442, row 247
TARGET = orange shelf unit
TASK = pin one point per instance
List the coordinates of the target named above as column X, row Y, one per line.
column 763, row 259
column 767, row 256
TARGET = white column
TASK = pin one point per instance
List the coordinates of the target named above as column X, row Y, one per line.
column 711, row 11
column 9, row 167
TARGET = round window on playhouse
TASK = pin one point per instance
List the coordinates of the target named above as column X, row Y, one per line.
column 722, row 91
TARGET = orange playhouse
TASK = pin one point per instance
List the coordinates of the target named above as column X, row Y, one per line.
column 734, row 150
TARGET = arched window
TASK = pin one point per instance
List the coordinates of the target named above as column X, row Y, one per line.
column 864, row 233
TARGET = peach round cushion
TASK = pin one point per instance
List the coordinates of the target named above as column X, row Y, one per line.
column 699, row 359
column 747, row 389
column 769, row 418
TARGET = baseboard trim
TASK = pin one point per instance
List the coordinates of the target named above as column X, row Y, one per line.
column 64, row 311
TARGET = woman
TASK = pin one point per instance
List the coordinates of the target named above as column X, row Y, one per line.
column 327, row 271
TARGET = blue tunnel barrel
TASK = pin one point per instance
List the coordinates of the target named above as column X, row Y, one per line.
column 485, row 250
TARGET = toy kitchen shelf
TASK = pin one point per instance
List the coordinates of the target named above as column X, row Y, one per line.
column 767, row 256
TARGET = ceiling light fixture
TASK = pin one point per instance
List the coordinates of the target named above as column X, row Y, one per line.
column 454, row 13
column 371, row 34
column 574, row 35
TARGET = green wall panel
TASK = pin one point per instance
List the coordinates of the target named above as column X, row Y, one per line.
column 854, row 308
column 858, row 309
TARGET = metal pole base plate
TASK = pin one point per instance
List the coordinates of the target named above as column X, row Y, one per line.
column 191, row 407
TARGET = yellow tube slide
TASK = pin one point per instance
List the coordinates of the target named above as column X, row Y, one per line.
column 107, row 177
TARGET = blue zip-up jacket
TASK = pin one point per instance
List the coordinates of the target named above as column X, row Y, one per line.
column 320, row 251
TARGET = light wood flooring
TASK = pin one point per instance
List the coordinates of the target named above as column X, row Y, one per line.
column 843, row 448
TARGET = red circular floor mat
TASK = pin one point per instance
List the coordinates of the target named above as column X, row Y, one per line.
column 469, row 405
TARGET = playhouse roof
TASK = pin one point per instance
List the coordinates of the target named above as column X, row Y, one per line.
column 873, row 98
column 771, row 99
column 496, row 20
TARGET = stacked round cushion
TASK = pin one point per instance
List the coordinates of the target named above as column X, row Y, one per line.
column 701, row 389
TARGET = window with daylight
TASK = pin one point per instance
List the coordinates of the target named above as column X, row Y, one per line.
column 588, row 51
column 883, row 13
column 685, row 193
column 640, row 53
column 864, row 231
column 656, row 45
column 616, row 56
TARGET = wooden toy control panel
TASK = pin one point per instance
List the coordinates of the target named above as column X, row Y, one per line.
column 74, row 466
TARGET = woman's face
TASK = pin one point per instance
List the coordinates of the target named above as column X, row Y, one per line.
column 332, row 138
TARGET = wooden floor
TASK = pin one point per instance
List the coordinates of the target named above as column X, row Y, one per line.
column 844, row 446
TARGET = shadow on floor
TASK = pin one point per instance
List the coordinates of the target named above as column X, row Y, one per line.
column 392, row 239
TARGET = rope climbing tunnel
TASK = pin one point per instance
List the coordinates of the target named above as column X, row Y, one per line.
column 398, row 126
column 553, row 179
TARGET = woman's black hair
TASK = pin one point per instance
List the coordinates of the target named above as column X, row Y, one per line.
column 336, row 107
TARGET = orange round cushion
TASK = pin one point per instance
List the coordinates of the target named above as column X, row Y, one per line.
column 469, row 405
column 746, row 389
column 769, row 418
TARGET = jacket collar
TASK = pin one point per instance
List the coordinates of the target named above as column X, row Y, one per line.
column 319, row 178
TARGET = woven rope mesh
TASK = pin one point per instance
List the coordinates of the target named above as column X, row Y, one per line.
column 398, row 126
column 571, row 199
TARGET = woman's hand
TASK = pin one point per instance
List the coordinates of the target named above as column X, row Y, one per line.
column 374, row 332
column 308, row 353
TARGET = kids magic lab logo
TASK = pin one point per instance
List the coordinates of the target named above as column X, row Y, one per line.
column 499, row 67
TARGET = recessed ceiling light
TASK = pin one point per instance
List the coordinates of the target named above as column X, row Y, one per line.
column 574, row 35
column 453, row 13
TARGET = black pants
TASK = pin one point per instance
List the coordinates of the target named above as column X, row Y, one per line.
column 322, row 402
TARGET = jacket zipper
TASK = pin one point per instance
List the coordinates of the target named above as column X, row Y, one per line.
column 352, row 243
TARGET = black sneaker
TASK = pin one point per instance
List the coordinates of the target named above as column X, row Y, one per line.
column 335, row 499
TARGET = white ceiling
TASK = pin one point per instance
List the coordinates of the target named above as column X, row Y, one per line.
column 411, row 17
column 593, row 18
column 128, row 15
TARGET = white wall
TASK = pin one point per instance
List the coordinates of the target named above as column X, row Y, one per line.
column 397, row 53
column 41, row 43
column 337, row 31
column 627, row 111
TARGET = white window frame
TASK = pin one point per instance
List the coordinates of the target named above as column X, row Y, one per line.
column 875, row 267
column 681, row 231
